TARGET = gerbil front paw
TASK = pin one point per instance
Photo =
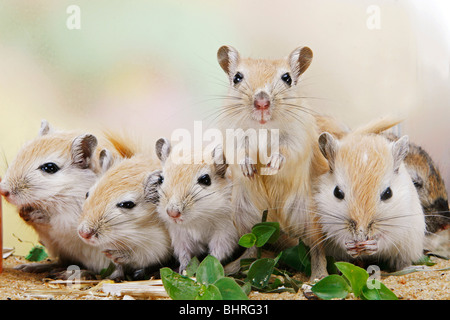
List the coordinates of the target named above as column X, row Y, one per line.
column 357, row 248
column 276, row 162
column 248, row 167
column 117, row 256
column 32, row 215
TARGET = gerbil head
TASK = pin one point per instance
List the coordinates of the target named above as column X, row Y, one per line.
column 53, row 167
column 189, row 192
column 264, row 90
column 430, row 186
column 117, row 210
column 367, row 194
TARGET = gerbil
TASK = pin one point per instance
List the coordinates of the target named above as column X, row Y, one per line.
column 48, row 181
column 120, row 219
column 429, row 185
column 195, row 203
column 368, row 206
column 266, row 94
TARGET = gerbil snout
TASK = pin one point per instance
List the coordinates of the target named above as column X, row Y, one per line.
column 87, row 234
column 173, row 213
column 262, row 112
column 262, row 101
column 4, row 191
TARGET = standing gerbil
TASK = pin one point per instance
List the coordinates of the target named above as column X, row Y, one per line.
column 48, row 181
column 368, row 206
column 267, row 96
column 429, row 185
column 120, row 218
column 195, row 203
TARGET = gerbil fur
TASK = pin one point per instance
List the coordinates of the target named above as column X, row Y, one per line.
column 194, row 200
column 368, row 206
column 119, row 218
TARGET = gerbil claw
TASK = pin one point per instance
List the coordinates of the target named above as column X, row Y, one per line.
column 116, row 256
column 248, row 168
column 357, row 248
column 276, row 161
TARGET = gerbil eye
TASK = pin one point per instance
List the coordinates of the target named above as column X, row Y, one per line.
column 160, row 179
column 338, row 193
column 418, row 184
column 287, row 78
column 238, row 77
column 205, row 180
column 126, row 205
column 386, row 194
column 87, row 194
column 49, row 167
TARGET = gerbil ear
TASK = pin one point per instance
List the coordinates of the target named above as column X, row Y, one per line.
column 82, row 150
column 400, row 149
column 105, row 159
column 163, row 149
column 45, row 128
column 219, row 160
column 328, row 146
column 151, row 185
column 228, row 58
column 299, row 61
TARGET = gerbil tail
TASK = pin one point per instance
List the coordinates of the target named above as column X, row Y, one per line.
column 379, row 125
column 124, row 145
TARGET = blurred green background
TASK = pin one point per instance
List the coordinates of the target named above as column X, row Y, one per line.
column 149, row 67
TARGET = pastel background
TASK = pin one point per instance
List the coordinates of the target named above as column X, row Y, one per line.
column 149, row 67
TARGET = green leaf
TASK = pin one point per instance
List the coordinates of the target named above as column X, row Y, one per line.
column 331, row 267
column 248, row 240
column 297, row 257
column 378, row 292
column 260, row 272
column 247, row 288
column 37, row 253
column 179, row 287
column 106, row 272
column 209, row 270
column 355, row 275
column 210, row 292
column 230, row 290
column 191, row 268
column 424, row 260
column 264, row 215
column 330, row 287
column 266, row 232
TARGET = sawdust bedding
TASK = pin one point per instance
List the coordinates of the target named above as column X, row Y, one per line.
column 433, row 284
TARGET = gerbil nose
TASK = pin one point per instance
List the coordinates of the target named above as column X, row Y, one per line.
column 86, row 234
column 4, row 192
column 441, row 204
column 262, row 101
column 173, row 213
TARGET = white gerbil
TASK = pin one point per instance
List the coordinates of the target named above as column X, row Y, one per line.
column 48, row 181
column 368, row 206
column 120, row 218
column 195, row 203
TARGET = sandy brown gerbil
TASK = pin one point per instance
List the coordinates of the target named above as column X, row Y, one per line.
column 429, row 185
column 368, row 206
column 47, row 181
column 194, row 201
column 119, row 217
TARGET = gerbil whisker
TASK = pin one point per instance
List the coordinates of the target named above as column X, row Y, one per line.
column 393, row 217
column 393, row 225
column 300, row 108
column 206, row 195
